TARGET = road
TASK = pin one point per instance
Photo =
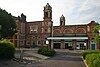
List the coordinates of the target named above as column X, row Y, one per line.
column 63, row 59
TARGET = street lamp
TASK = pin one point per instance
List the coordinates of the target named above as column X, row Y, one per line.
column 47, row 42
column 84, row 45
column 99, row 32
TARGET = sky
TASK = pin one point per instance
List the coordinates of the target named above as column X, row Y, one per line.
column 75, row 11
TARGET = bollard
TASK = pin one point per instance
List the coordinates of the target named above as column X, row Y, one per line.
column 21, row 56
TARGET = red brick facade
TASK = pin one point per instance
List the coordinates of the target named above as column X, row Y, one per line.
column 32, row 34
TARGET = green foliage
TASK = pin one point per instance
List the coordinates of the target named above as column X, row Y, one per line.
column 96, row 32
column 7, row 49
column 86, row 52
column 7, row 24
column 96, row 62
column 97, row 38
column 46, row 51
column 96, row 29
column 90, row 59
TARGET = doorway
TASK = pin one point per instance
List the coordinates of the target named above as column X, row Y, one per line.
column 68, row 45
column 93, row 47
column 57, row 45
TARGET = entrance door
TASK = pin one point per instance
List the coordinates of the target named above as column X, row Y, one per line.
column 68, row 45
column 33, row 45
column 57, row 45
column 93, row 46
column 80, row 45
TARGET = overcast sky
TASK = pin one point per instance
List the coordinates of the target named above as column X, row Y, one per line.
column 75, row 11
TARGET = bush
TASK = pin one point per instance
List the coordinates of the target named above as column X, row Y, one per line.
column 7, row 49
column 46, row 51
column 96, row 62
column 86, row 52
column 90, row 59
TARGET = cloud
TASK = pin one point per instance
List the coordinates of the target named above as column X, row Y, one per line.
column 87, row 4
column 75, row 11
column 84, row 18
column 65, row 7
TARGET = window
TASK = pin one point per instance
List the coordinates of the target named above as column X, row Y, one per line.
column 49, row 23
column 15, row 36
column 70, row 44
column 33, row 29
column 45, row 30
column 48, row 30
column 46, row 14
column 28, row 42
column 50, row 15
column 39, row 42
column 88, row 28
column 42, row 30
column 22, row 28
column 42, row 23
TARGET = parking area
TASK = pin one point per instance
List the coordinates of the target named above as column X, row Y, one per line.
column 62, row 58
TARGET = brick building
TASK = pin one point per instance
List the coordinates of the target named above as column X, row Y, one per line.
column 43, row 33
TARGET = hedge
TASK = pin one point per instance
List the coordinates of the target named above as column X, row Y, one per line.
column 7, row 49
column 86, row 52
column 91, row 60
column 96, row 62
column 46, row 51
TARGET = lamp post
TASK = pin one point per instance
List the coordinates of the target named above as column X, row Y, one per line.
column 84, row 45
column 47, row 42
column 21, row 55
column 99, row 32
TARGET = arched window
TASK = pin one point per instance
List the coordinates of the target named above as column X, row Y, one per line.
column 80, row 30
column 68, row 31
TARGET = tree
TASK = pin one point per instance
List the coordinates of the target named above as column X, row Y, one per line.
column 7, row 24
column 97, row 33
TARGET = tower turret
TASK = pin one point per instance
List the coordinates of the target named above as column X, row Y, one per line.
column 62, row 21
column 23, row 18
column 47, row 12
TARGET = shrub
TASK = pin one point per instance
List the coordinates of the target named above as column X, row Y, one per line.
column 96, row 62
column 90, row 59
column 46, row 51
column 86, row 52
column 7, row 49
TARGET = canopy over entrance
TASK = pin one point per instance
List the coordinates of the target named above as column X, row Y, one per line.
column 66, row 38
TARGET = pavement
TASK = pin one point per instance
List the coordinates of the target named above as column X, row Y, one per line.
column 30, row 53
column 62, row 58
